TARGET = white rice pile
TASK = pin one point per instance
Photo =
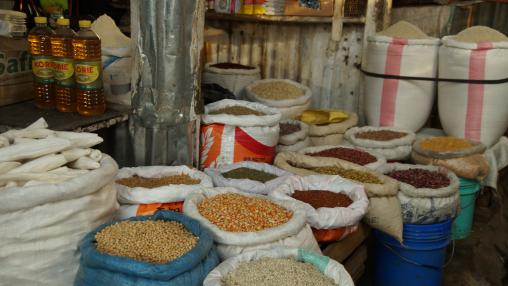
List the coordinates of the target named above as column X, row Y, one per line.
column 403, row 29
column 477, row 34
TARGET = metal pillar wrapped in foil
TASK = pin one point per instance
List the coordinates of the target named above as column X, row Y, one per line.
column 167, row 38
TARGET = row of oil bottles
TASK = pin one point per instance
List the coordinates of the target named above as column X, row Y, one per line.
column 67, row 67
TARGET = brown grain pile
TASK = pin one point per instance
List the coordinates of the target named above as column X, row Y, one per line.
column 277, row 90
column 403, row 29
column 236, row 110
column 138, row 181
column 478, row 34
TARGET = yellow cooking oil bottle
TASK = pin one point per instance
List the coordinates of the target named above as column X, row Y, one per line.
column 39, row 43
column 63, row 66
column 88, row 71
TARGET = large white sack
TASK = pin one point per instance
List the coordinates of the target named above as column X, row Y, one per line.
column 293, row 112
column 294, row 233
column 327, row 266
column 164, row 194
column 298, row 101
column 474, row 111
column 246, row 185
column 42, row 225
column 334, row 128
column 325, row 218
column 394, row 102
column 380, row 160
column 295, row 147
column 332, row 139
column 293, row 138
column 234, row 80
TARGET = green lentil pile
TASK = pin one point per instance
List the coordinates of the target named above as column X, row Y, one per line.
column 236, row 110
column 276, row 272
column 251, row 174
column 351, row 174
column 149, row 241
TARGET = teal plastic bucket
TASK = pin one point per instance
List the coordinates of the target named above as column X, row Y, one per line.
column 464, row 221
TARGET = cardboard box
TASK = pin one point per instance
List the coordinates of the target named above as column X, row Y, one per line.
column 293, row 8
column 15, row 71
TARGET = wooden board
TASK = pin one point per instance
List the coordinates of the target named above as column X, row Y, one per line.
column 343, row 249
column 355, row 264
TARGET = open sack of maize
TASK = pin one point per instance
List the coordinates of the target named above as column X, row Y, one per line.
column 53, row 190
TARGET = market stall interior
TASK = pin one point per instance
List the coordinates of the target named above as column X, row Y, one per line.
column 253, row 142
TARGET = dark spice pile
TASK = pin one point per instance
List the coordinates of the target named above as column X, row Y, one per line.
column 323, row 199
column 288, row 128
column 380, row 135
column 138, row 181
column 236, row 110
column 351, row 155
column 420, row 178
column 232, row 66
column 251, row 174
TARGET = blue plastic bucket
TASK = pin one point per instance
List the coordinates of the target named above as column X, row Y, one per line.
column 464, row 221
column 418, row 261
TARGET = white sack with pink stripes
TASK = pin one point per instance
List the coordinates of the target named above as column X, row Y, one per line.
column 478, row 112
column 395, row 102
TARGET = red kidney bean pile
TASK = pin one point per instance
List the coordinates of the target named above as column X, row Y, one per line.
column 323, row 199
column 288, row 128
column 380, row 135
column 420, row 178
column 232, row 66
column 351, row 155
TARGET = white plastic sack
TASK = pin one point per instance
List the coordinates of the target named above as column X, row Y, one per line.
column 42, row 225
column 294, row 137
column 331, row 139
column 425, row 205
column 226, row 139
column 329, row 267
column 400, row 103
column 246, row 185
column 380, row 160
column 295, row 232
column 293, row 112
column 234, row 80
column 298, row 101
column 325, row 218
column 165, row 194
column 396, row 149
column 295, row 147
column 117, row 79
column 474, row 111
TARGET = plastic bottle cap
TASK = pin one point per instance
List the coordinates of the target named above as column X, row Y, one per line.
column 62, row 22
column 85, row 23
column 41, row 20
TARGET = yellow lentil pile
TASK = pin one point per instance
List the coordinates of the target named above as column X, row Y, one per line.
column 149, row 241
column 277, row 90
column 236, row 110
column 276, row 272
column 238, row 213
column 477, row 34
column 351, row 174
column 138, row 181
column 445, row 144
column 403, row 29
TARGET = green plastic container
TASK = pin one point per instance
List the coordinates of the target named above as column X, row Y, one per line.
column 464, row 221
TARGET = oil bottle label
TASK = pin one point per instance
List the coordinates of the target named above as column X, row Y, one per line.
column 63, row 68
column 88, row 72
column 42, row 67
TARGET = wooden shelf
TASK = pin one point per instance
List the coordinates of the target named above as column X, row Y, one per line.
column 281, row 19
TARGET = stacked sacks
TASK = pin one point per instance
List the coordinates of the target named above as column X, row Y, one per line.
column 384, row 211
column 475, row 111
column 334, row 206
column 403, row 50
column 103, row 269
column 241, row 222
column 327, row 127
column 428, row 194
column 392, row 143
column 289, row 97
column 231, row 76
column 235, row 130
column 352, row 154
column 145, row 190
column 250, row 177
column 293, row 136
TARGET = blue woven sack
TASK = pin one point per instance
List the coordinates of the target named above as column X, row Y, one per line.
column 99, row 269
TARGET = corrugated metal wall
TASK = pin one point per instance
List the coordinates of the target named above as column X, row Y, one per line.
column 301, row 52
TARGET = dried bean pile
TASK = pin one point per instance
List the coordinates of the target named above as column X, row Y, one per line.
column 276, row 272
column 236, row 110
column 288, row 128
column 149, row 241
column 138, row 181
column 380, row 135
column 277, row 90
column 351, row 174
column 232, row 66
column 323, row 199
column 445, row 144
column 239, row 213
column 420, row 178
column 351, row 155
column 251, row 174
